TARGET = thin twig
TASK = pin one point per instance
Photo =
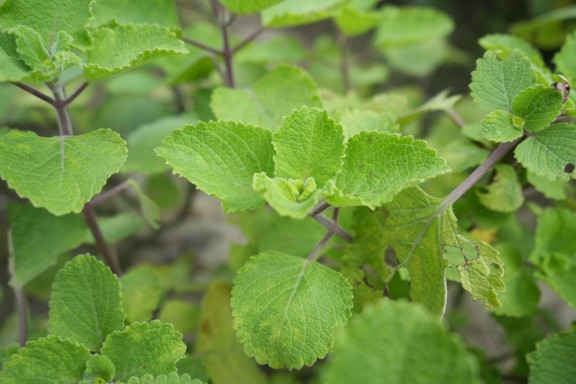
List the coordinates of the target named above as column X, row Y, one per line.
column 202, row 46
column 76, row 93
column 35, row 92
column 344, row 45
column 455, row 117
column 247, row 40
column 334, row 227
column 319, row 246
column 21, row 306
column 319, row 209
column 227, row 51
column 106, row 251
column 64, row 123
column 104, row 196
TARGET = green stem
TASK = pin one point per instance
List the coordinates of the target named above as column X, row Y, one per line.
column 61, row 106
column 21, row 306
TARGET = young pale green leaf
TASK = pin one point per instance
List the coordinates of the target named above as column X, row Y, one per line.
column 161, row 12
column 144, row 348
column 507, row 43
column 12, row 67
column 378, row 165
column 354, row 121
column 418, row 59
column 38, row 237
column 59, row 173
column 368, row 350
column 148, row 207
column 271, row 98
column 565, row 59
column 504, row 194
column 291, row 197
column 216, row 343
column 98, row 369
column 46, row 360
column 142, row 291
column 553, row 359
column 248, row 6
column 221, row 158
column 171, row 378
column 286, row 309
column 500, row 126
column 550, row 153
column 538, row 106
column 354, row 21
column 49, row 18
column 551, row 189
column 496, row 82
column 85, row 305
column 120, row 47
column 298, row 12
column 402, row 26
column 308, row 144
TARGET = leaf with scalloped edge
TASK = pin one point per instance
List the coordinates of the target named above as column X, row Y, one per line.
column 354, row 121
column 553, row 359
column 85, row 305
column 378, row 165
column 120, row 47
column 538, row 106
column 248, row 6
column 220, row 158
column 52, row 359
column 49, row 18
column 501, row 126
column 58, row 173
column 287, row 309
column 161, row 12
column 298, row 12
column 550, row 153
column 142, row 291
column 496, row 82
column 504, row 193
column 507, row 43
column 144, row 348
column 12, row 67
column 271, row 98
column 98, row 369
column 398, row 342
column 171, row 378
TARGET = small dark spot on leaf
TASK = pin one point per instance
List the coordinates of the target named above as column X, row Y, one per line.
column 569, row 168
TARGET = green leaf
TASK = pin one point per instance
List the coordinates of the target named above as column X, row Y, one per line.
column 499, row 126
column 142, row 291
column 504, row 193
column 144, row 348
column 183, row 314
column 550, row 152
column 565, row 59
column 507, row 43
column 217, row 346
column 496, row 82
column 98, row 369
column 248, row 6
column 286, row 309
column 59, row 173
column 291, row 197
column 538, row 106
column 553, row 359
column 220, row 159
column 45, row 361
column 396, row 342
column 38, row 238
column 378, row 165
column 162, row 12
column 271, row 98
column 85, row 305
column 308, row 144
column 355, row 121
column 49, row 17
column 120, row 47
column 148, row 207
column 12, row 67
column 402, row 26
column 171, row 378
column 418, row 59
column 298, row 12
column 551, row 189
column 117, row 227
column 353, row 21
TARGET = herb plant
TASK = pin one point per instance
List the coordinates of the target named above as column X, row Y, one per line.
column 362, row 207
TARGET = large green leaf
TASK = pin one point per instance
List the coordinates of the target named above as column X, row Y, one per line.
column 286, row 309
column 85, row 305
column 216, row 344
column 46, row 361
column 496, row 81
column 271, row 98
column 553, row 359
column 144, row 348
column 538, row 106
column 221, row 158
column 162, row 12
column 396, row 342
column 378, row 165
column 248, row 6
column 49, row 17
column 120, row 47
column 298, row 12
column 38, row 238
column 550, row 153
column 58, row 173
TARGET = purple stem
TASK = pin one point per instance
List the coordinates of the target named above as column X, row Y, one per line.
column 107, row 253
column 35, row 92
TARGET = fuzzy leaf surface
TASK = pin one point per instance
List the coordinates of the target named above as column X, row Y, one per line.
column 553, row 359
column 499, row 126
column 38, row 237
column 538, row 106
column 46, row 360
column 142, row 291
column 98, row 368
column 58, row 173
column 271, row 98
column 144, row 348
column 496, row 82
column 12, row 67
column 161, row 12
column 85, row 305
column 550, row 152
column 504, row 194
column 298, row 12
column 287, row 310
column 378, row 165
column 368, row 350
column 220, row 158
column 308, row 144
column 120, row 47
column 171, row 378
column 49, row 17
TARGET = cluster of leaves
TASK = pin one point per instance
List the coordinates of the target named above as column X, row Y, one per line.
column 279, row 151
